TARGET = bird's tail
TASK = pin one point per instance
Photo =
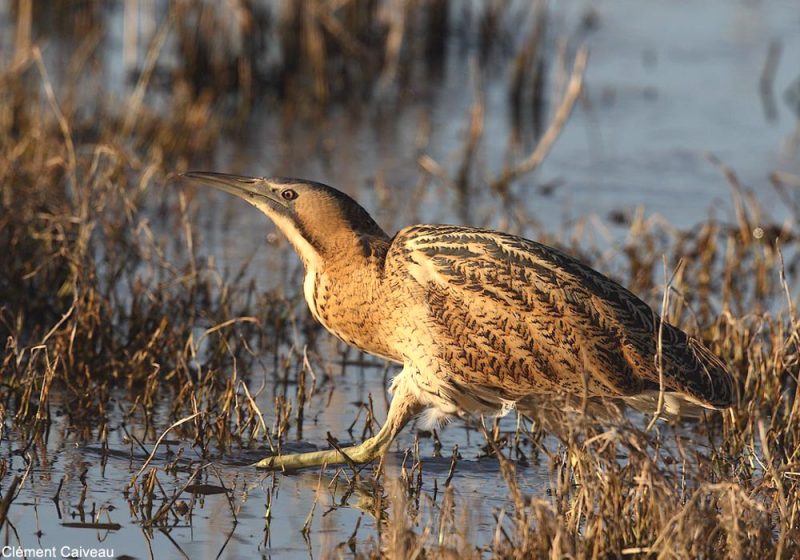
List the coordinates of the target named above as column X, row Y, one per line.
column 693, row 373
column 718, row 383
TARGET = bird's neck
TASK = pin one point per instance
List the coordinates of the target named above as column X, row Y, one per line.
column 350, row 252
column 345, row 292
column 347, row 266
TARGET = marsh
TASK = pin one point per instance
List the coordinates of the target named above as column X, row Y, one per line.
column 156, row 339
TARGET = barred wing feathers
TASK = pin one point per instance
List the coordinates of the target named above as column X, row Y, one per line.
column 525, row 318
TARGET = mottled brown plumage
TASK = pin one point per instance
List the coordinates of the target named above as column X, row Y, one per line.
column 482, row 321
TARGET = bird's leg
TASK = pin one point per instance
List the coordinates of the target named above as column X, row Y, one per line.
column 404, row 407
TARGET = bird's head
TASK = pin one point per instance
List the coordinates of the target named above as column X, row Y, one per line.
column 319, row 221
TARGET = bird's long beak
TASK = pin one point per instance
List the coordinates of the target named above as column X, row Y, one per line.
column 248, row 188
column 239, row 185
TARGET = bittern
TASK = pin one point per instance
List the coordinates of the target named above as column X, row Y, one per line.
column 482, row 321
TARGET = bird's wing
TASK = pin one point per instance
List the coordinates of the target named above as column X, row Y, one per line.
column 525, row 318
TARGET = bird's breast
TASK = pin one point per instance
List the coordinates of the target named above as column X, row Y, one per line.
column 353, row 308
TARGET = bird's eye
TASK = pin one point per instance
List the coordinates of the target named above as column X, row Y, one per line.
column 289, row 194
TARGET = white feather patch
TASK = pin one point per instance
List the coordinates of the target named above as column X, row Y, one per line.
column 433, row 418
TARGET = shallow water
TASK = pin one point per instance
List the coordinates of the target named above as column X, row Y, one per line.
column 41, row 521
column 665, row 85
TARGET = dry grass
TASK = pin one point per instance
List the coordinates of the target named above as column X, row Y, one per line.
column 102, row 290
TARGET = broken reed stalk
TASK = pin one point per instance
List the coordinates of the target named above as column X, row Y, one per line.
column 548, row 139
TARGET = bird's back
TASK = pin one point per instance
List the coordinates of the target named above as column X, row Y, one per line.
column 514, row 317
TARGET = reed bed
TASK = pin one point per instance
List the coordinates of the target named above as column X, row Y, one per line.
column 104, row 290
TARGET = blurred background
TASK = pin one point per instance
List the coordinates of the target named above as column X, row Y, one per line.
column 434, row 98
column 621, row 131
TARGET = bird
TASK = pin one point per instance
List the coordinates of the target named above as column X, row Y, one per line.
column 483, row 322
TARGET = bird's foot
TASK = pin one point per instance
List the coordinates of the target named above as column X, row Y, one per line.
column 365, row 452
